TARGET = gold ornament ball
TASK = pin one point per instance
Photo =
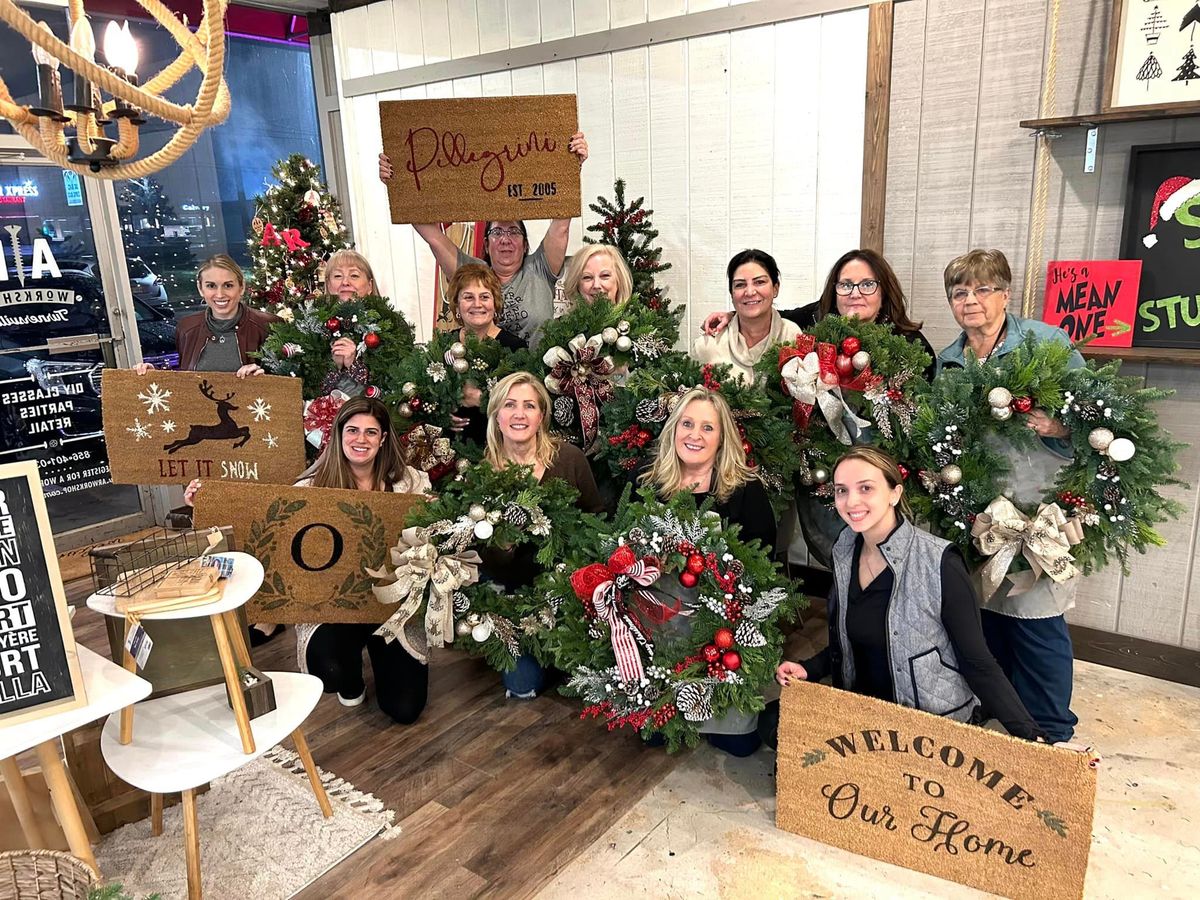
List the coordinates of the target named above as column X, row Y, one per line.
column 404, row 410
column 609, row 335
column 1121, row 450
column 999, row 397
column 458, row 350
column 408, row 389
column 460, row 365
column 462, row 628
column 951, row 474
column 1100, row 438
column 1001, row 413
column 477, row 513
column 624, row 343
column 820, row 476
column 493, row 517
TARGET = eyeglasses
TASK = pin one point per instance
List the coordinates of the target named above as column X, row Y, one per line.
column 496, row 231
column 982, row 293
column 866, row 287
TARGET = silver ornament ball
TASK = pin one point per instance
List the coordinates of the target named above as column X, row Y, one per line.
column 820, row 476
column 999, row 397
column 624, row 343
column 1100, row 438
column 1121, row 450
column 609, row 335
column 861, row 359
column 1002, row 413
column 493, row 516
column 623, row 327
column 462, row 628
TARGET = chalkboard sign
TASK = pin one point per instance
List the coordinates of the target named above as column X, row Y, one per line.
column 1162, row 229
column 39, row 667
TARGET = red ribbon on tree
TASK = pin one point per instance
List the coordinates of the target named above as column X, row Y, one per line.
column 580, row 371
column 601, row 585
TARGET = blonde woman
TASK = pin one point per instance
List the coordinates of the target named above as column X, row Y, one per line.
column 348, row 276
column 518, row 434
column 597, row 269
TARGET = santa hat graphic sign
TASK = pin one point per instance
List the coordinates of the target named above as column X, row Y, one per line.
column 1171, row 195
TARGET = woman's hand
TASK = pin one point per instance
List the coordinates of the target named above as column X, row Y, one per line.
column 471, row 395
column 385, row 167
column 1039, row 422
column 789, row 672
column 716, row 323
column 577, row 145
column 458, row 423
column 143, row 368
column 250, row 369
column 344, row 352
column 190, row 492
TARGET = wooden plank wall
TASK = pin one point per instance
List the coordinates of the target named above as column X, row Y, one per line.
column 749, row 138
column 960, row 175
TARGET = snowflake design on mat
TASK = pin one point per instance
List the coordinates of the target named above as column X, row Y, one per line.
column 168, row 426
column 155, row 399
column 261, row 410
column 138, row 430
column 271, row 441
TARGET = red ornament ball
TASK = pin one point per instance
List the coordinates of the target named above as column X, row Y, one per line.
column 688, row 579
column 711, row 653
column 372, row 340
column 373, row 392
column 1022, row 404
column 695, row 564
column 844, row 365
column 732, row 660
column 747, row 447
column 723, row 638
column 415, row 402
column 333, row 323
column 851, row 345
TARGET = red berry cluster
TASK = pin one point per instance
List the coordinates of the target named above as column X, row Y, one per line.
column 663, row 715
column 895, row 395
column 711, row 383
column 635, row 720
column 1072, row 499
column 595, row 712
column 633, row 438
column 733, row 610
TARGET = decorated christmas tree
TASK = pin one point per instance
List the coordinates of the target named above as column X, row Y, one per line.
column 297, row 225
column 628, row 228
column 1187, row 69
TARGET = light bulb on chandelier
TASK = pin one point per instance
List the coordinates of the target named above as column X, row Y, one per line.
column 75, row 132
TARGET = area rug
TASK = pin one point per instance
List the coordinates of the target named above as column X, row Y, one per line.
column 262, row 835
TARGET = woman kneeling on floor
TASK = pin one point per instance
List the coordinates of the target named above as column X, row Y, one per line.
column 903, row 615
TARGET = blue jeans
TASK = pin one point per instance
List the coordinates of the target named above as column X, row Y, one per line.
column 526, row 680
column 1036, row 656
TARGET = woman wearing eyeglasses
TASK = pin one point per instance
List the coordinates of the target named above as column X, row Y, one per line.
column 860, row 284
column 1027, row 633
column 528, row 278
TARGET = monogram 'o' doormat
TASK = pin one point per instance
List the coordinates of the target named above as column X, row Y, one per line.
column 927, row 793
column 262, row 835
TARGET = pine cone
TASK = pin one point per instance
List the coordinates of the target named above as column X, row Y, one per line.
column 516, row 515
column 564, row 411
column 650, row 411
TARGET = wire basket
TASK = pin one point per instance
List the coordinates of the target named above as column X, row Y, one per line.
column 45, row 875
column 123, row 570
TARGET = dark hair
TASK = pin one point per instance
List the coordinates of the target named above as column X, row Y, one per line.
column 893, row 307
column 487, row 257
column 764, row 259
column 331, row 468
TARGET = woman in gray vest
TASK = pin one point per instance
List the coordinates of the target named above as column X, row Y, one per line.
column 903, row 615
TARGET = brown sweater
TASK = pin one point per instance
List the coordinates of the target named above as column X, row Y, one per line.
column 192, row 333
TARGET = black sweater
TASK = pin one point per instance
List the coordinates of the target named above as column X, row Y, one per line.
column 866, row 629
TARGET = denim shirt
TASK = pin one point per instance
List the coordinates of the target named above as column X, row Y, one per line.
column 1032, row 472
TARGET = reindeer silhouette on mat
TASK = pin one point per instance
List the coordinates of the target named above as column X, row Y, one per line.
column 226, row 429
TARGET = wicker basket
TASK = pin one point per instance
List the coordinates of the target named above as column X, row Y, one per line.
column 44, row 875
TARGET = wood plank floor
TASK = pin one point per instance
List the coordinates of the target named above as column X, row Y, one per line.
column 494, row 796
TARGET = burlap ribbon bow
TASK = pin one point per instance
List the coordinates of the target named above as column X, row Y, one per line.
column 1002, row 531
column 603, row 585
column 416, row 562
column 809, row 377
column 427, row 449
column 580, row 371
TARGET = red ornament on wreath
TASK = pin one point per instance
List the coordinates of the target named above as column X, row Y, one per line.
column 695, row 564
column 723, row 638
column 333, row 323
column 688, row 579
column 844, row 365
column 851, row 345
column 372, row 340
column 732, row 660
column 1022, row 404
column 711, row 653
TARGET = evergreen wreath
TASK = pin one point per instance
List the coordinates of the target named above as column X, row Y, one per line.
column 615, row 598
column 860, row 370
column 502, row 509
column 633, row 420
column 1108, row 491
column 299, row 345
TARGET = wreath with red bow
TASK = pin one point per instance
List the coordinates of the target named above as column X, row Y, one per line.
column 676, row 623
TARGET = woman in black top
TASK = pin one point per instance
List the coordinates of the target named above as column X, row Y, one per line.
column 868, row 492
column 474, row 291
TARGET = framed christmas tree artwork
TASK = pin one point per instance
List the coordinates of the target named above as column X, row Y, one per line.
column 1152, row 61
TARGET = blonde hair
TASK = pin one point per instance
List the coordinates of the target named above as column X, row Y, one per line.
column 474, row 273
column 980, row 266
column 665, row 474
column 350, row 258
column 884, row 463
column 545, row 447
column 621, row 271
column 221, row 261
column 332, row 469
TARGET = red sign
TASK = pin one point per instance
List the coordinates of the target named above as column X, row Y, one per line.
column 1093, row 297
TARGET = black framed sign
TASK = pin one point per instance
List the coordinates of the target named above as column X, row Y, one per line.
column 1162, row 229
column 39, row 665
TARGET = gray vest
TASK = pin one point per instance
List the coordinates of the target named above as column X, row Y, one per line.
column 922, row 660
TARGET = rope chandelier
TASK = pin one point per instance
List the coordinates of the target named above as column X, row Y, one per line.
column 76, row 134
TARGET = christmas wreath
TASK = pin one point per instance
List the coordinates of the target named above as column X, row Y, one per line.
column 426, row 385
column 579, row 354
column 844, row 381
column 667, row 620
column 434, row 570
column 1105, row 498
column 299, row 345
column 633, row 420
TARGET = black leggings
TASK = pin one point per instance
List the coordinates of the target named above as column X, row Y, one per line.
column 401, row 683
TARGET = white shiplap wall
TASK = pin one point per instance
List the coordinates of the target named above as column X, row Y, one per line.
column 746, row 138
